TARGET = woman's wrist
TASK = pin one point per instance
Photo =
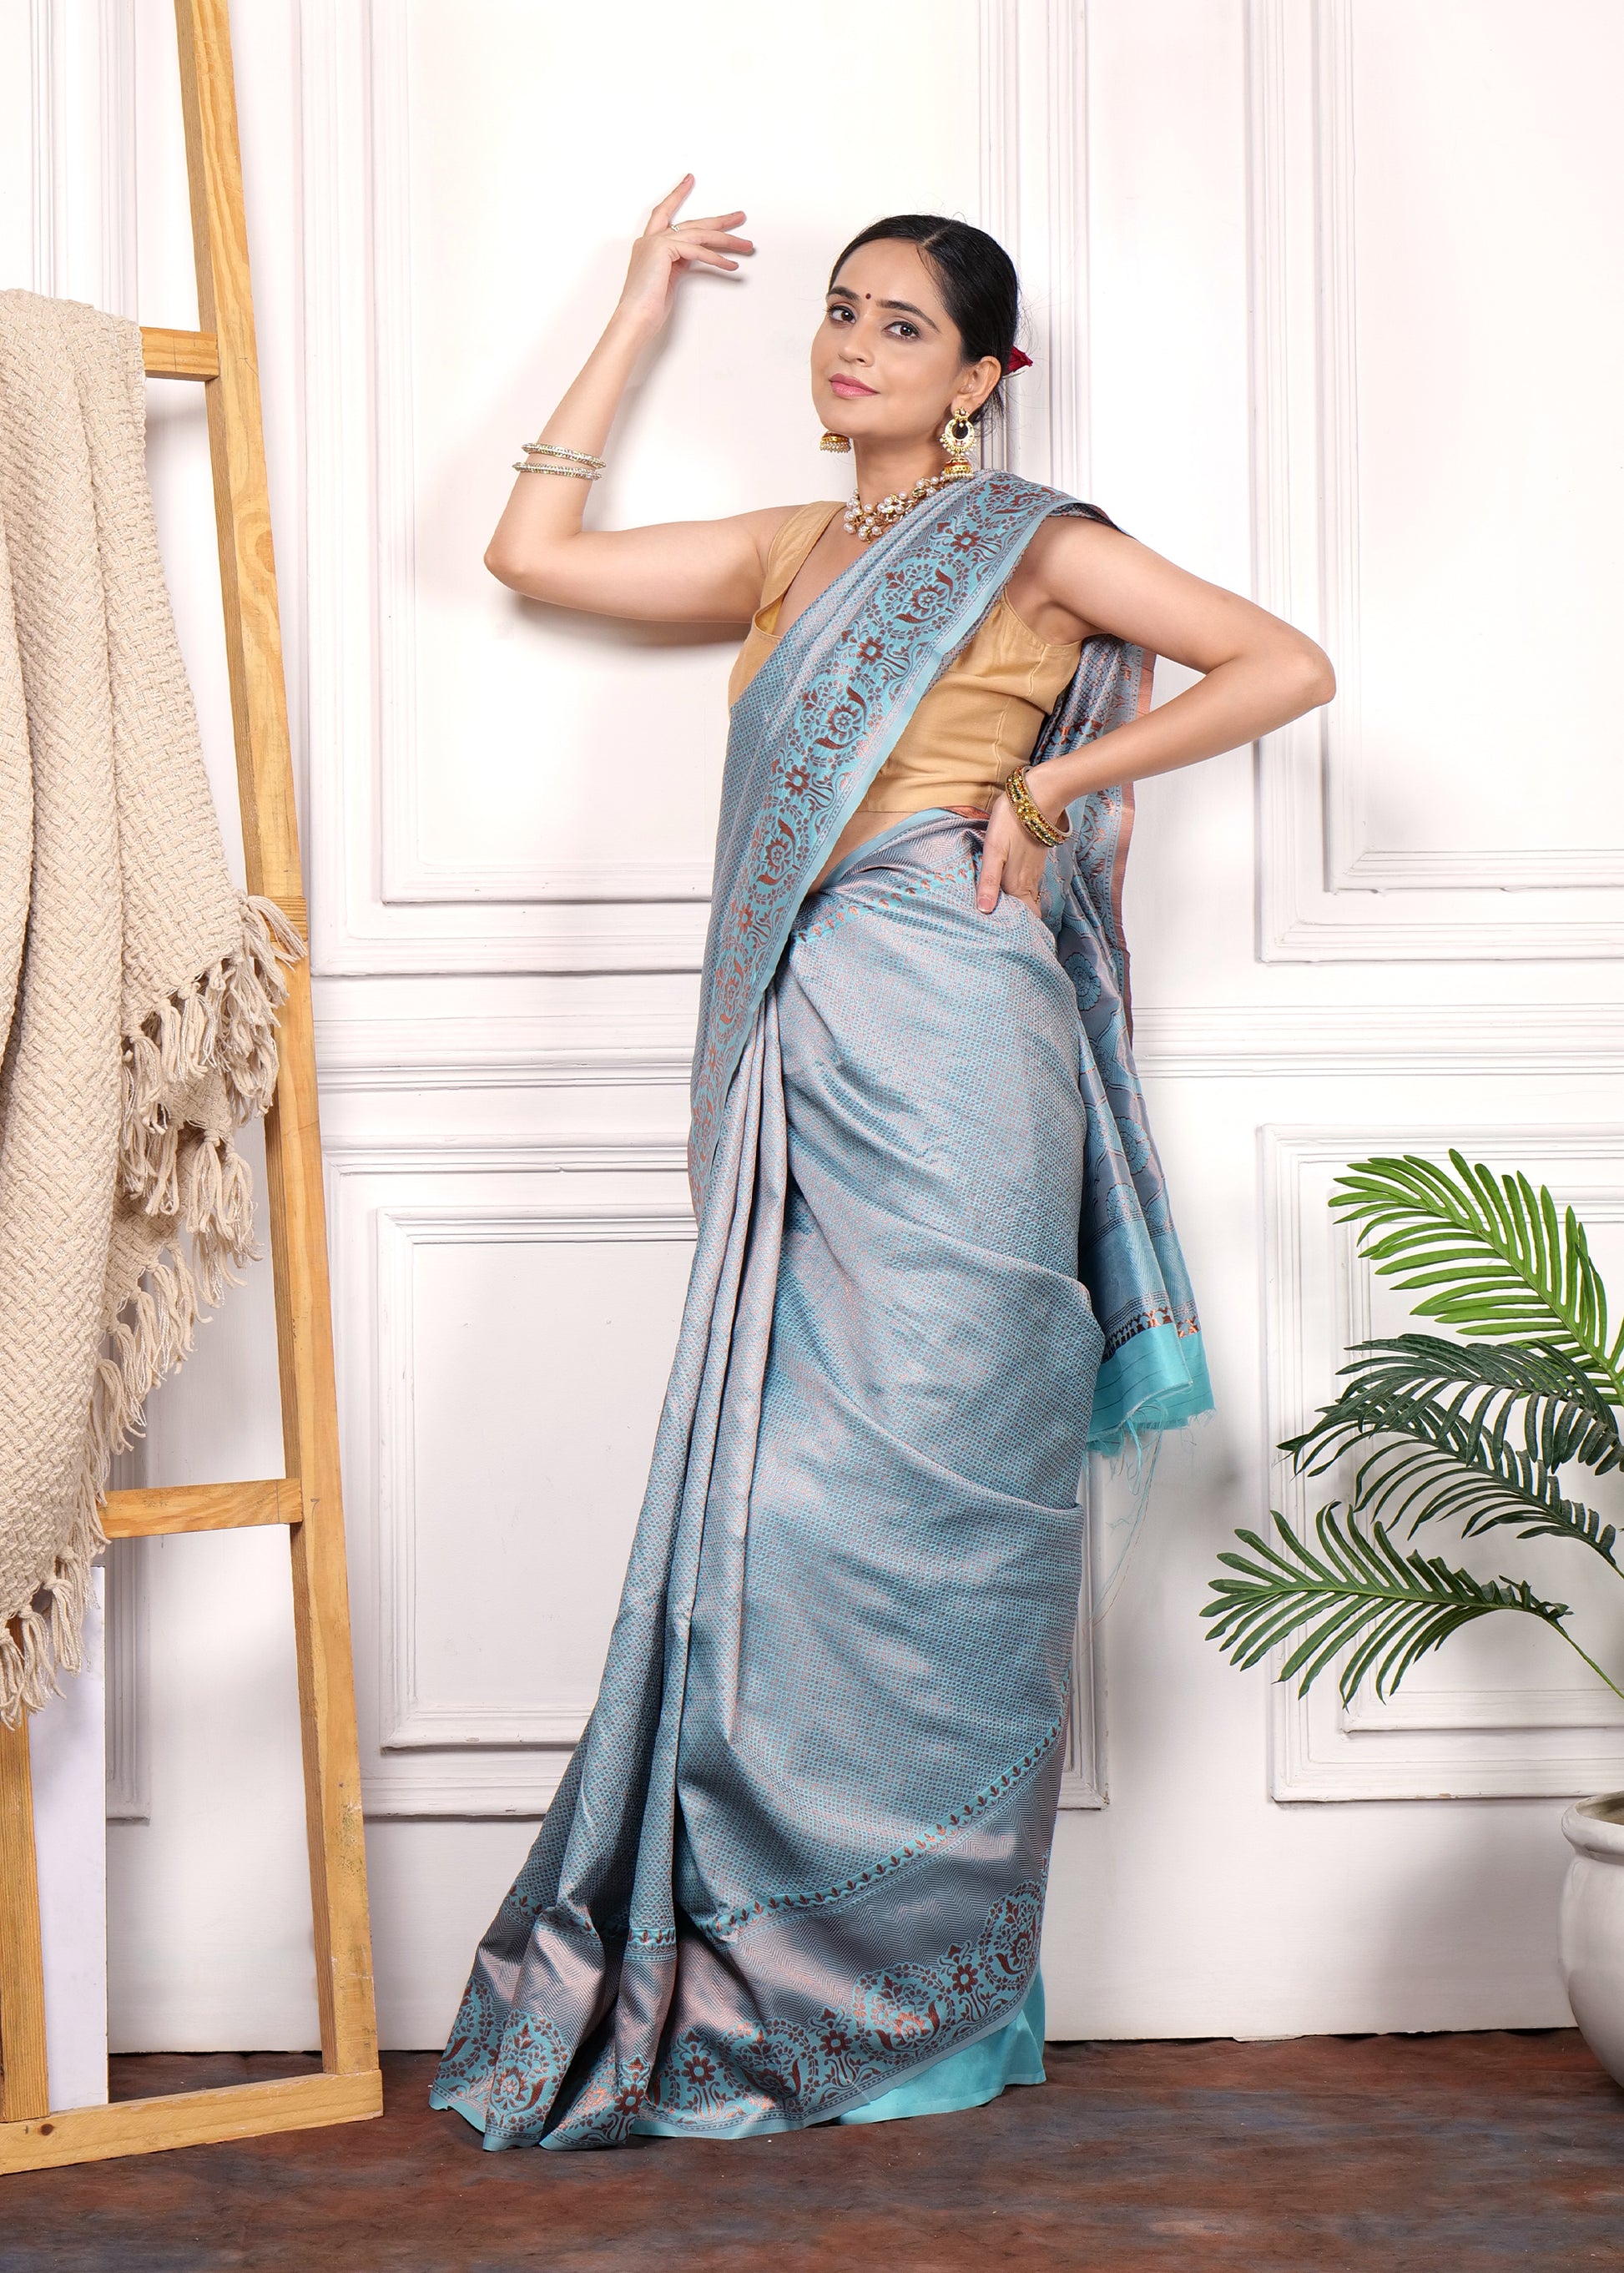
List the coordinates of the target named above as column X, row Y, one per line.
column 1047, row 787
column 629, row 329
column 1031, row 816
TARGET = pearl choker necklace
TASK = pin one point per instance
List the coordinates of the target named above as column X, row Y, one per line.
column 869, row 522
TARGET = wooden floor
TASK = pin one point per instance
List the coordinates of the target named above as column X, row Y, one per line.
column 1454, row 2154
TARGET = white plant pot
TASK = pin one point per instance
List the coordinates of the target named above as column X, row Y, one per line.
column 1592, row 1929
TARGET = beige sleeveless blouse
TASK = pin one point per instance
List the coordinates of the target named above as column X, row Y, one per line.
column 975, row 726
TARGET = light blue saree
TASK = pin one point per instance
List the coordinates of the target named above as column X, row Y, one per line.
column 796, row 1870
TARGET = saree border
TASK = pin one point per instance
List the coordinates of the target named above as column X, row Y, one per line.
column 813, row 728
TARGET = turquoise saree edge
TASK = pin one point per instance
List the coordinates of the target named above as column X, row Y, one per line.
column 1157, row 1380
column 969, row 2075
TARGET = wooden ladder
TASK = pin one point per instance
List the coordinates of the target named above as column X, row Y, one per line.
column 307, row 1499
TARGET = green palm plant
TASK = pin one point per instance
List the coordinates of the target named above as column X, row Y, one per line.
column 1481, row 1430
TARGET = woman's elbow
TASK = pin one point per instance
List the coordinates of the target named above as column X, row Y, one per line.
column 1315, row 679
column 501, row 563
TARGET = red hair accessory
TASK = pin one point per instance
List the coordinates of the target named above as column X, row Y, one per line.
column 1019, row 361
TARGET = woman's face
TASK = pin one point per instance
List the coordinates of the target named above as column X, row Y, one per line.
column 887, row 360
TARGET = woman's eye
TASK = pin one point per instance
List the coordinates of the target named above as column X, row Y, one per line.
column 908, row 331
column 838, row 314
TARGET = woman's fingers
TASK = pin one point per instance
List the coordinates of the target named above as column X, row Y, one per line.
column 708, row 251
column 991, row 875
column 664, row 211
column 1011, row 866
column 714, row 241
column 695, row 256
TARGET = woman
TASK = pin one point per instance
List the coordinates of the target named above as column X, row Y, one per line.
column 795, row 1870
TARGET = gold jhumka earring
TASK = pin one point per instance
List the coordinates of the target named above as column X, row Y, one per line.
column 841, row 442
column 957, row 436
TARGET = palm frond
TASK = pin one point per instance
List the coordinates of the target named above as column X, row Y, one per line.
column 1500, row 1260
column 1564, row 1406
column 1359, row 1598
column 1458, row 1456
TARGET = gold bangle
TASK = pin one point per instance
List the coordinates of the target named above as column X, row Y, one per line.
column 570, row 473
column 557, row 450
column 1040, row 831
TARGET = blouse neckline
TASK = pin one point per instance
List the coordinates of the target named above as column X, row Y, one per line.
column 798, row 561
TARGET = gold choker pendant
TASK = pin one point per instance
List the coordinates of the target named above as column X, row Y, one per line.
column 869, row 522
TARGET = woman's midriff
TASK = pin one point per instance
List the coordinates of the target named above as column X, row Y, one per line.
column 968, row 732
column 863, row 825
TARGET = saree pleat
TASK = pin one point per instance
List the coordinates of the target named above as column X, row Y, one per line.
column 795, row 1870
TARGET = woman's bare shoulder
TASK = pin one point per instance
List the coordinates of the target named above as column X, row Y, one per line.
column 766, row 523
column 1073, row 536
column 1044, row 589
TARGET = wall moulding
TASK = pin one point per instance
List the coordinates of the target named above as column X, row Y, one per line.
column 1496, row 1040
column 128, row 1671
column 81, row 113
column 412, row 874
column 428, row 1750
column 1033, row 194
column 380, row 903
column 627, row 1048
column 47, row 70
column 1082, row 1778
column 1328, row 891
column 1494, row 1741
column 414, row 1717
column 600, row 1047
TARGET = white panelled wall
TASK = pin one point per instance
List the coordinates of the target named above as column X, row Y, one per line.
column 1322, row 305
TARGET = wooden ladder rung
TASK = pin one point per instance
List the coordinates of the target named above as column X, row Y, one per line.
column 202, row 1507
column 189, row 2118
column 179, row 354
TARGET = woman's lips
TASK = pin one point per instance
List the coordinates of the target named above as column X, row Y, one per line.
column 850, row 388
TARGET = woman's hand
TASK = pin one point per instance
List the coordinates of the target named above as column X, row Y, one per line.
column 1012, row 862
column 667, row 246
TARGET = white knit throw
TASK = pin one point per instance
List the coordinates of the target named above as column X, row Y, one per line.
column 138, row 987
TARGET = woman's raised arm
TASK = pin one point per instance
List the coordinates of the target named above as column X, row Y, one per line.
column 676, row 572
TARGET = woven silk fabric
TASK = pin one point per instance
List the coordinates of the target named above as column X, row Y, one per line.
column 138, row 987
column 799, row 1856
column 806, row 737
column 816, row 724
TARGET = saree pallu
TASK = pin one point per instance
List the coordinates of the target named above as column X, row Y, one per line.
column 797, row 1859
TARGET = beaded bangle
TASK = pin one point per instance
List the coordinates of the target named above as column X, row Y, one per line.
column 1040, row 831
column 557, row 450
column 569, row 473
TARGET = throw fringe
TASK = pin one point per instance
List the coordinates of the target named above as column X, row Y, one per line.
column 44, row 1640
column 224, row 1025
column 220, row 1029
column 153, row 1332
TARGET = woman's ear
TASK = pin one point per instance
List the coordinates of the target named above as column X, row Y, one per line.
column 977, row 381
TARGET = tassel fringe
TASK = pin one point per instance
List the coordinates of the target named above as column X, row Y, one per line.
column 223, row 1027
column 153, row 1332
